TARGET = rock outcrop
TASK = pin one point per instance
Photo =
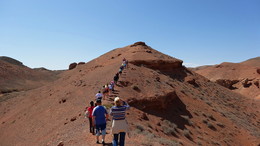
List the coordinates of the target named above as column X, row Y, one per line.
column 72, row 65
column 139, row 44
column 227, row 83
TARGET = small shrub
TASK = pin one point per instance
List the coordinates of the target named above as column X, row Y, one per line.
column 149, row 135
column 221, row 125
column 169, row 130
column 199, row 143
column 187, row 133
column 211, row 126
column 205, row 121
column 212, row 118
column 208, row 103
column 187, row 118
column 139, row 128
column 169, row 124
column 164, row 141
column 136, row 88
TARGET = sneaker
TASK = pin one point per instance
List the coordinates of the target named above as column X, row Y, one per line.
column 97, row 142
column 103, row 142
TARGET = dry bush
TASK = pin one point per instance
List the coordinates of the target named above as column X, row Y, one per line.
column 187, row 134
column 221, row 125
column 211, row 126
column 187, row 118
column 169, row 128
column 168, row 142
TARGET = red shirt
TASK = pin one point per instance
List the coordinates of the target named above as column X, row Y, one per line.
column 90, row 110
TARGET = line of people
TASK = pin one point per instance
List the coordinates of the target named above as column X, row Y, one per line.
column 98, row 115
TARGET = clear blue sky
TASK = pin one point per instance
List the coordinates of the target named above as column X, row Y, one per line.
column 55, row 33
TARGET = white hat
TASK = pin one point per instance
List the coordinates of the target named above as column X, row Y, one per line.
column 116, row 99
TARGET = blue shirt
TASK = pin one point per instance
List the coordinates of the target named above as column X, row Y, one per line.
column 118, row 112
column 99, row 112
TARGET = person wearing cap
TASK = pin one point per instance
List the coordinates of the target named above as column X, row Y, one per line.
column 119, row 124
column 99, row 117
column 88, row 115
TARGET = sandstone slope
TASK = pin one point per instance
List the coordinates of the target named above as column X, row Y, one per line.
column 241, row 77
column 171, row 105
column 14, row 76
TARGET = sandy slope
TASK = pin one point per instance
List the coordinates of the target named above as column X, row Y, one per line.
column 14, row 76
column 171, row 105
column 243, row 78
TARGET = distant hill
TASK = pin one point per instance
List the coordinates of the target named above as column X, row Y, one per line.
column 11, row 60
column 14, row 76
column 255, row 62
column 241, row 77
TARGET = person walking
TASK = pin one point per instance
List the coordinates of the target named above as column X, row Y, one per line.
column 116, row 78
column 99, row 117
column 88, row 115
column 119, row 123
column 99, row 95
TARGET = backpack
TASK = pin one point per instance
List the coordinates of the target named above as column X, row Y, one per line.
column 87, row 114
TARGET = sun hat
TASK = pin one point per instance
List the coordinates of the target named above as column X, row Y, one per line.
column 116, row 99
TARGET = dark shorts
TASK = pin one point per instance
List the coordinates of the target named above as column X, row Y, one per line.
column 101, row 129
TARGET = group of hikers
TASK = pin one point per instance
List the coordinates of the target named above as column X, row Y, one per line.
column 98, row 115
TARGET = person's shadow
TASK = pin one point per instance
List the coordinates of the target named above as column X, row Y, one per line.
column 108, row 144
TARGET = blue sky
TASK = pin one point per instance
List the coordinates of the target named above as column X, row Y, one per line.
column 55, row 33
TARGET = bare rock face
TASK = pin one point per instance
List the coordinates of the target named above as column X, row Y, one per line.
column 256, row 83
column 246, row 83
column 258, row 70
column 160, row 102
column 227, row 83
column 191, row 81
column 73, row 65
column 139, row 43
column 81, row 63
column 163, row 65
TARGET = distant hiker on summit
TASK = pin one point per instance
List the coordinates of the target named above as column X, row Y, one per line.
column 99, row 119
column 119, row 124
column 88, row 115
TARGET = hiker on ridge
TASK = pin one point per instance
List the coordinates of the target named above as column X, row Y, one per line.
column 126, row 64
column 100, row 116
column 99, row 95
column 119, row 124
column 89, row 115
column 112, row 83
column 105, row 91
column 110, row 87
column 116, row 78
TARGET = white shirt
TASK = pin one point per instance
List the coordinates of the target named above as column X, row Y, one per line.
column 99, row 95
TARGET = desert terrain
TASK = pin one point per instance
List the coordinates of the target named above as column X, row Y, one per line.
column 170, row 104
column 243, row 78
